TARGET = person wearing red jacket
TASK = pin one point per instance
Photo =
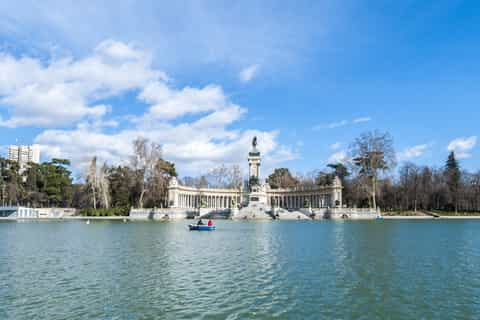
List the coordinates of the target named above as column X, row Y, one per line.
column 210, row 223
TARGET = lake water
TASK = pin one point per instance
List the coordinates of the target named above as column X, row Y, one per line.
column 244, row 270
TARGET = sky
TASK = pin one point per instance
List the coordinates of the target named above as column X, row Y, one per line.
column 201, row 78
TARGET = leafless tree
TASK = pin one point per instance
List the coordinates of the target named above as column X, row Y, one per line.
column 143, row 161
column 92, row 180
column 104, row 187
column 373, row 154
column 225, row 177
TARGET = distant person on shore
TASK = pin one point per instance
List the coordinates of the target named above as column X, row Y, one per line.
column 200, row 223
column 210, row 223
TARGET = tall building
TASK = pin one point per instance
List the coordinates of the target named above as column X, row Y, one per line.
column 24, row 154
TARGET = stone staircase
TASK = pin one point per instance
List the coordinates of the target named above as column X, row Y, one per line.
column 254, row 211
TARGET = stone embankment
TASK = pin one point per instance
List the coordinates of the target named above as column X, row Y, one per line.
column 160, row 214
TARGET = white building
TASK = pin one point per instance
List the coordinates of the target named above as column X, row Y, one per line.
column 24, row 154
column 18, row 212
column 329, row 196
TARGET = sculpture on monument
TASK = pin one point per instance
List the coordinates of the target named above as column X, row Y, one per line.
column 254, row 164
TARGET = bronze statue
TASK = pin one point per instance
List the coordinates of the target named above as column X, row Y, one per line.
column 254, row 142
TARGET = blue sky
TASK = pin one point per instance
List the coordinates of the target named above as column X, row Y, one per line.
column 202, row 78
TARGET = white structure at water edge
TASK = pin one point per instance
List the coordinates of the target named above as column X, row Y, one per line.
column 18, row 212
column 259, row 196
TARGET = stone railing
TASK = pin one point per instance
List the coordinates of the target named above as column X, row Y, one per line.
column 158, row 214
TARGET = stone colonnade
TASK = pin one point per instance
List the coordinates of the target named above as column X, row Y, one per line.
column 297, row 201
column 191, row 200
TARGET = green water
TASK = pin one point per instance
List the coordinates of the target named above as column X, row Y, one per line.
column 244, row 270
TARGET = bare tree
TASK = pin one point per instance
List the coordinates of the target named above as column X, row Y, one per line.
column 201, row 182
column 92, row 180
column 410, row 185
column 373, row 154
column 104, row 186
column 235, row 177
column 217, row 177
column 143, row 161
column 307, row 180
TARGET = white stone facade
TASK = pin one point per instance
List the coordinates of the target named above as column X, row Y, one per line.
column 217, row 199
column 24, row 154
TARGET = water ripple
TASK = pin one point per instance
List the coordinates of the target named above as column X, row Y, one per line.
column 244, row 270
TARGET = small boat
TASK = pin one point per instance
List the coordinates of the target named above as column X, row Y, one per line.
column 195, row 227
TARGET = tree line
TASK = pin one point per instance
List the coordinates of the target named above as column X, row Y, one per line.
column 369, row 176
column 370, row 180
column 110, row 189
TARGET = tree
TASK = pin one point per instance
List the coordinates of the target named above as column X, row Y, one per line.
column 201, row 182
column 143, row 162
column 453, row 177
column 409, row 184
column 307, row 180
column 339, row 170
column 104, row 186
column 92, row 180
column 225, row 177
column 373, row 154
column 158, row 183
column 281, row 178
column 324, row 178
column 122, row 186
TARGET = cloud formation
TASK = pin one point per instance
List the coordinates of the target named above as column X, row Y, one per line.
column 192, row 124
column 462, row 146
column 65, row 90
column 248, row 73
column 338, row 157
column 342, row 123
column 335, row 146
column 412, row 152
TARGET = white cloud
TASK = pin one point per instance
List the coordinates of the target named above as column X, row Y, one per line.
column 342, row 123
column 462, row 146
column 413, row 152
column 338, row 157
column 360, row 120
column 248, row 73
column 332, row 125
column 193, row 149
column 335, row 146
column 167, row 104
column 65, row 90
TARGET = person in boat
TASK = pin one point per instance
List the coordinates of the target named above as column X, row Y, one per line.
column 210, row 223
column 200, row 223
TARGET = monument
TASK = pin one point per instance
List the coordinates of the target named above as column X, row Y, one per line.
column 256, row 200
column 257, row 190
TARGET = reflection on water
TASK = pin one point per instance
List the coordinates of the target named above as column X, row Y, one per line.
column 244, row 270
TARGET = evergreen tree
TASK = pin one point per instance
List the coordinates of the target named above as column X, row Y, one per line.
column 453, row 177
column 121, row 181
column 339, row 170
column 281, row 178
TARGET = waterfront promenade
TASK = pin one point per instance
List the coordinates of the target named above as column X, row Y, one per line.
column 129, row 218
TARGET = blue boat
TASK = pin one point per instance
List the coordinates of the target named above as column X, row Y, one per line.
column 195, row 227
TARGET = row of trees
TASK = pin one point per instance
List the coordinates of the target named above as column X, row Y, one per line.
column 46, row 184
column 221, row 177
column 368, row 177
column 369, row 180
column 141, row 183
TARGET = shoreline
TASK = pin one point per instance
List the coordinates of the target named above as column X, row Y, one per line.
column 128, row 218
